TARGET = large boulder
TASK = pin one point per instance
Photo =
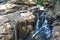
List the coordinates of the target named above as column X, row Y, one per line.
column 26, row 24
column 6, row 29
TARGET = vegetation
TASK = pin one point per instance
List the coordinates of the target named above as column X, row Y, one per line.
column 59, row 1
column 40, row 2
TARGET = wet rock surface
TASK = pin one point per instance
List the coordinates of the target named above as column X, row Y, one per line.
column 24, row 20
column 6, row 29
column 16, row 14
column 56, row 25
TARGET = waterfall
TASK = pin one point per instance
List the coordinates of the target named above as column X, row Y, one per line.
column 42, row 14
column 44, row 30
column 37, row 23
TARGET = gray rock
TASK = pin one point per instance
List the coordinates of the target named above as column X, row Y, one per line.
column 6, row 29
column 56, row 33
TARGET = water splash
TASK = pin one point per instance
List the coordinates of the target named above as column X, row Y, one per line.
column 37, row 23
column 44, row 31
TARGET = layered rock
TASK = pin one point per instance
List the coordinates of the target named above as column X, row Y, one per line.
column 28, row 2
column 6, row 29
column 26, row 24
column 25, row 20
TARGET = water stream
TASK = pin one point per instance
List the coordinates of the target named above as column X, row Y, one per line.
column 44, row 30
column 37, row 24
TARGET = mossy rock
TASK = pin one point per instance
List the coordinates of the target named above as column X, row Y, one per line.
column 40, row 2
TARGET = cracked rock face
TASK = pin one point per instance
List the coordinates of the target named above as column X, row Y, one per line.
column 56, row 30
column 56, row 33
column 27, row 17
column 6, row 29
column 26, row 24
column 28, row 2
column 26, row 21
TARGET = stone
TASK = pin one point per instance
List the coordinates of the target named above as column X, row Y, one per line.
column 58, row 15
column 56, row 33
column 25, row 24
column 6, row 29
column 28, row 2
column 26, row 17
column 56, row 23
column 30, row 27
column 7, row 7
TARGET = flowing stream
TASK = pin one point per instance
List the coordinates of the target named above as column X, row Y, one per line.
column 44, row 30
column 37, row 23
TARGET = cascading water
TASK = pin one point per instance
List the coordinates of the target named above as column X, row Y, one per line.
column 44, row 30
column 37, row 23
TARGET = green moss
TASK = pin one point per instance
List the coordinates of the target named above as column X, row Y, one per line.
column 59, row 1
column 40, row 2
